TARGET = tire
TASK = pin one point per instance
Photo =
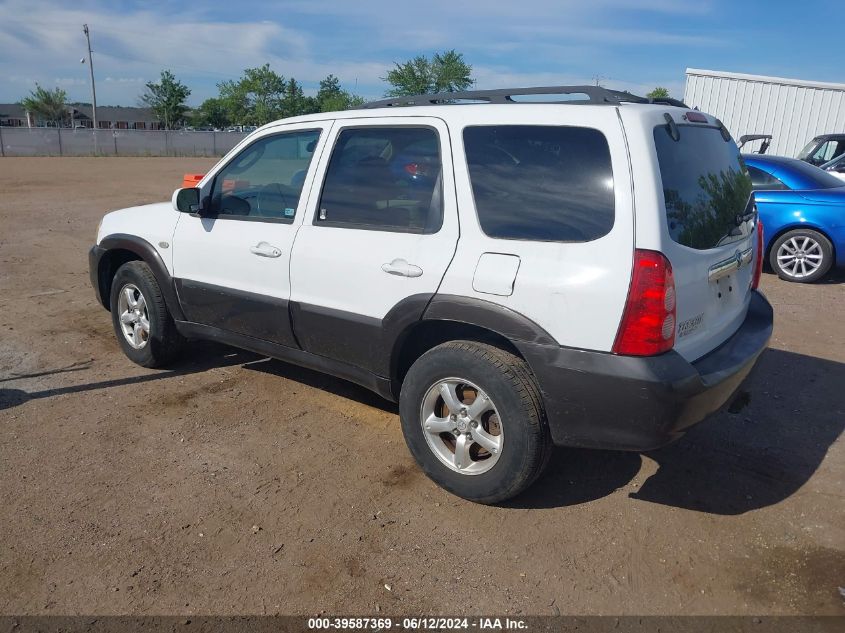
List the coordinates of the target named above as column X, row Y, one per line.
column 511, row 446
column 802, row 256
column 136, row 299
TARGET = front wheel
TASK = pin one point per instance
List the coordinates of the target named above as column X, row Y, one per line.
column 143, row 325
column 473, row 419
column 802, row 255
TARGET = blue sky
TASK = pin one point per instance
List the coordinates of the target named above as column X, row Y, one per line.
column 629, row 44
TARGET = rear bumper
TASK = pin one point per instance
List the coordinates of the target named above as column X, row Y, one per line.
column 600, row 400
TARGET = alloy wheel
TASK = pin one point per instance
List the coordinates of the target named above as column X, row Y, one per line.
column 462, row 426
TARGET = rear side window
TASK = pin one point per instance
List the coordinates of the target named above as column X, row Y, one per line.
column 705, row 186
column 762, row 181
column 541, row 183
column 384, row 178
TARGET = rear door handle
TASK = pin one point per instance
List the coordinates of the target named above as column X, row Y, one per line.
column 402, row 268
column 263, row 249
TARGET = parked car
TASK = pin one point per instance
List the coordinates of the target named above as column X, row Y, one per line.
column 803, row 210
column 480, row 264
column 836, row 167
column 822, row 149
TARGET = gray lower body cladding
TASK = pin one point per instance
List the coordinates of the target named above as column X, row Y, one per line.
column 592, row 399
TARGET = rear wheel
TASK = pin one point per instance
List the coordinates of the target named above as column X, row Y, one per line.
column 473, row 419
column 143, row 326
column 802, row 255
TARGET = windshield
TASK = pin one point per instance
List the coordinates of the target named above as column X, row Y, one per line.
column 706, row 187
column 807, row 149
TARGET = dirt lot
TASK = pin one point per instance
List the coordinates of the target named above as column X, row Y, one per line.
column 235, row 484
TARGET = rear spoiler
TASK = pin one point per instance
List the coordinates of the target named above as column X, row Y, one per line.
column 748, row 138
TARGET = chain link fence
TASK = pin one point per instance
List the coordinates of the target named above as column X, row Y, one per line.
column 79, row 142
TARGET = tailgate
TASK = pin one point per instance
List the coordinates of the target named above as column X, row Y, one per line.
column 710, row 219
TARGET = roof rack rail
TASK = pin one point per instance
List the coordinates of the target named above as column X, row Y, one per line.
column 595, row 95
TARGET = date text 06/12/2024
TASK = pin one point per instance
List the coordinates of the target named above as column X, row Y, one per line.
column 414, row 624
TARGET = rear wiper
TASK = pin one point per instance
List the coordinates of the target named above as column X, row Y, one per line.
column 744, row 217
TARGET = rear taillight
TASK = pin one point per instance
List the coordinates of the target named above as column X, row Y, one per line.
column 758, row 263
column 648, row 323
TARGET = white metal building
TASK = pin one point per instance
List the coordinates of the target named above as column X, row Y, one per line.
column 792, row 110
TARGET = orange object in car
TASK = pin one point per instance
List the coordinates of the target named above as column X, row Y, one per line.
column 191, row 180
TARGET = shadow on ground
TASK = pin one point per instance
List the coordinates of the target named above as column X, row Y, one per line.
column 324, row 382
column 833, row 277
column 204, row 356
column 730, row 464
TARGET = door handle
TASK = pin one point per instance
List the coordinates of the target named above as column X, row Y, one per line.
column 263, row 249
column 402, row 268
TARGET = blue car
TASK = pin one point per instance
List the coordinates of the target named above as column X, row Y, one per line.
column 803, row 214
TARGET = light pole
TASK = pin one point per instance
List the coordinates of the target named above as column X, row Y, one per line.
column 91, row 69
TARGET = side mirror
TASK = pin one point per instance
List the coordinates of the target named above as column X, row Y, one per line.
column 187, row 200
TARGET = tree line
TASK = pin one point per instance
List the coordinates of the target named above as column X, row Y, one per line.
column 262, row 95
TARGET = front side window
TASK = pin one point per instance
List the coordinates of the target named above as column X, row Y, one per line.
column 265, row 180
column 540, row 182
column 384, row 178
column 762, row 181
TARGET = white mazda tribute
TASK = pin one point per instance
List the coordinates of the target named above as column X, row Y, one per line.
column 517, row 274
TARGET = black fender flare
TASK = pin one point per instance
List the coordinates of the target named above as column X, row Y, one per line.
column 526, row 337
column 515, row 327
column 150, row 256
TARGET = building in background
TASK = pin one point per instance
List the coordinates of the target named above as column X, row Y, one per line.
column 793, row 111
column 14, row 115
column 115, row 117
column 80, row 115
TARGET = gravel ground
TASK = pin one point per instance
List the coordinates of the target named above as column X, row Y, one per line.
column 234, row 484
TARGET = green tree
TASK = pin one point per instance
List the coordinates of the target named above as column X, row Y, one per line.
column 47, row 105
column 451, row 72
column 658, row 93
column 167, row 99
column 294, row 101
column 332, row 98
column 256, row 98
column 444, row 72
column 212, row 112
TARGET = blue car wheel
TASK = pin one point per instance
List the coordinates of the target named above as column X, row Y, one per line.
column 801, row 255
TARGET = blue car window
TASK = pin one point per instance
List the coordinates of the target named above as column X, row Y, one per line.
column 764, row 181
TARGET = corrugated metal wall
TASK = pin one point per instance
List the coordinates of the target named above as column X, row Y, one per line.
column 792, row 113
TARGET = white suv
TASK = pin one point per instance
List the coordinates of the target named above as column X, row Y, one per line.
column 516, row 274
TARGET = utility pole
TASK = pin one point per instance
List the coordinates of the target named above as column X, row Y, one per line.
column 91, row 69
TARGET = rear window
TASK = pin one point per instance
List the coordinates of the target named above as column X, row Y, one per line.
column 541, row 183
column 706, row 187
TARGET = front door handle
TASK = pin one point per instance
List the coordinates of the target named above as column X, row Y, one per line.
column 263, row 249
column 402, row 268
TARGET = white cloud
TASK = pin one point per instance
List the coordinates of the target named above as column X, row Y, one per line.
column 134, row 44
column 357, row 41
